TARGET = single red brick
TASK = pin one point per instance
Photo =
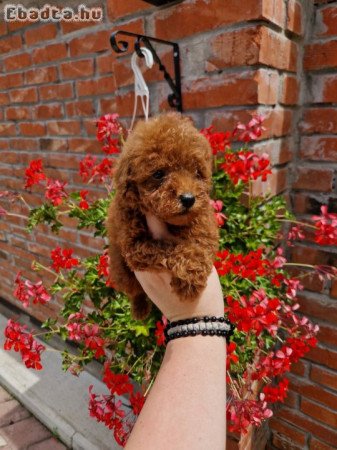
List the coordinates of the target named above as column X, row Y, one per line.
column 53, row 145
column 319, row 412
column 315, row 444
column 10, row 43
column 69, row 27
column 51, row 111
column 42, row 75
column 20, row 113
column 326, row 21
column 105, row 63
column 53, row 52
column 324, row 376
column 284, row 52
column 41, row 33
column 18, row 24
column 327, row 334
column 321, row 55
column 120, row 8
column 17, row 62
column 4, row 99
column 316, row 148
column 319, row 120
column 11, row 80
column 32, row 129
column 80, row 108
column 25, row 95
column 291, row 433
column 23, row 144
column 7, row 129
column 279, row 151
column 300, row 368
column 56, row 91
column 84, row 145
column 181, row 20
column 91, row 43
column 294, row 17
column 245, row 88
column 69, row 127
column 313, row 179
column 77, row 69
column 97, row 86
column 290, row 90
column 324, row 88
column 109, row 106
column 323, row 356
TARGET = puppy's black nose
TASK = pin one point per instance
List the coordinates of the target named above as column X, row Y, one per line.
column 187, row 200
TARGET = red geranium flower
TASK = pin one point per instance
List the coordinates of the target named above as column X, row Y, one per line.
column 23, row 342
column 62, row 259
column 116, row 383
column 55, row 191
column 218, row 141
column 34, row 173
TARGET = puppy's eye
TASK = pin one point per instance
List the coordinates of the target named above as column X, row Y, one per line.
column 158, row 175
column 199, row 174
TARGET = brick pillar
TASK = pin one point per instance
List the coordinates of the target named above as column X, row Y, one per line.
column 236, row 58
column 309, row 418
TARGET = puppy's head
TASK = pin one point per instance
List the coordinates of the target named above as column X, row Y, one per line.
column 165, row 169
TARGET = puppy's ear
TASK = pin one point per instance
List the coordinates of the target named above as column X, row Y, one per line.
column 124, row 183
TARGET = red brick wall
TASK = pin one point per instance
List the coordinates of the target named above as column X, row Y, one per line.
column 236, row 58
column 309, row 421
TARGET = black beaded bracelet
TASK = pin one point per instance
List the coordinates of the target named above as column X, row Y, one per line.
column 206, row 326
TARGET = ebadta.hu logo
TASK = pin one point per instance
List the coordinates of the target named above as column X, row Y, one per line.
column 50, row 13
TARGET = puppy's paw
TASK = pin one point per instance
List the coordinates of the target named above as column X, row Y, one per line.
column 187, row 290
column 140, row 307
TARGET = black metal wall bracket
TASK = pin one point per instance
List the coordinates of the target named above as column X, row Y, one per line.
column 174, row 99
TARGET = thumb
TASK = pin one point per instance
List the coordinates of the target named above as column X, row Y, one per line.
column 157, row 227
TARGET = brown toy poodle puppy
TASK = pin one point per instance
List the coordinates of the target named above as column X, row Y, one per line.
column 165, row 169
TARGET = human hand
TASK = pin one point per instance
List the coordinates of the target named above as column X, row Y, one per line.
column 157, row 287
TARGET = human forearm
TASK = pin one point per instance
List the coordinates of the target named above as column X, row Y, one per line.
column 186, row 406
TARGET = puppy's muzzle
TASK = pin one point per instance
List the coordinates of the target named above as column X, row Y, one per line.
column 187, row 200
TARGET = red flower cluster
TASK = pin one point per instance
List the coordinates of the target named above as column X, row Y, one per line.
column 219, row 141
column 26, row 290
column 256, row 314
column 62, row 259
column 250, row 131
column 277, row 393
column 246, row 166
column 244, row 412
column 23, row 342
column 55, row 191
column 246, row 266
column 326, row 227
column 89, row 171
column 108, row 126
column 219, row 216
column 107, row 409
column 89, row 333
column 34, row 173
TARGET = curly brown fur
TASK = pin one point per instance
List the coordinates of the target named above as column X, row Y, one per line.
column 171, row 145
